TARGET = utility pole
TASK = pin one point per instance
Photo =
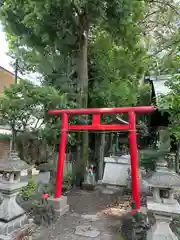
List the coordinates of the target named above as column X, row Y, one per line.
column 16, row 71
column 12, row 145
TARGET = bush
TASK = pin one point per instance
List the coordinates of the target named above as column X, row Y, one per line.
column 134, row 227
column 29, row 189
column 44, row 167
column 50, row 187
column 31, row 200
column 148, row 158
column 67, row 181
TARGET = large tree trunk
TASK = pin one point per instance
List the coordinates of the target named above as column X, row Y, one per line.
column 82, row 97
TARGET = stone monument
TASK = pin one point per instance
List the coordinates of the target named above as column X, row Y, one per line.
column 12, row 216
column 162, row 204
column 116, row 170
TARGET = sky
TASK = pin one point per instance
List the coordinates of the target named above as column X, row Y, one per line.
column 5, row 60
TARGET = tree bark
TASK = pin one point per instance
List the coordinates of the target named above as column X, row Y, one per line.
column 101, row 156
column 82, row 85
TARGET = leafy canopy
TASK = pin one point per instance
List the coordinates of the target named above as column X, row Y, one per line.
column 58, row 23
column 48, row 34
column 114, row 71
column 25, row 106
column 170, row 103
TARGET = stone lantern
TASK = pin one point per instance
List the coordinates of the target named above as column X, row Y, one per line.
column 162, row 204
column 12, row 216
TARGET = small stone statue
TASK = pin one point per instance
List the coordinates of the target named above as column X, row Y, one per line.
column 89, row 179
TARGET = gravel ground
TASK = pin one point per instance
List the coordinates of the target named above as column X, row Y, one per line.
column 100, row 211
column 94, row 209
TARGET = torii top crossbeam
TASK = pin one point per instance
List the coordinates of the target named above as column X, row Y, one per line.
column 85, row 111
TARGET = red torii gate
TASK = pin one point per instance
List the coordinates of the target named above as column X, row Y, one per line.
column 96, row 125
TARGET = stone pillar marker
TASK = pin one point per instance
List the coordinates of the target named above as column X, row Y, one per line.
column 162, row 204
column 12, row 216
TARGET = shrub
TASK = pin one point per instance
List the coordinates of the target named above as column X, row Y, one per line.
column 29, row 189
column 134, row 227
column 148, row 158
column 67, row 181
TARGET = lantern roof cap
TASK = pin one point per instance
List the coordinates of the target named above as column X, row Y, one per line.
column 13, row 164
column 164, row 177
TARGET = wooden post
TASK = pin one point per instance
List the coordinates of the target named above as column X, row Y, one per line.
column 101, row 156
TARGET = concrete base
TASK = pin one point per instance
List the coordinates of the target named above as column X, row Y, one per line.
column 60, row 205
column 7, row 228
column 161, row 230
column 12, row 216
column 163, row 214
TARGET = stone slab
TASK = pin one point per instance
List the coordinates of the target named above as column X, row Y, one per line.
column 116, row 170
column 109, row 190
column 87, row 231
column 92, row 218
column 124, row 159
column 163, row 209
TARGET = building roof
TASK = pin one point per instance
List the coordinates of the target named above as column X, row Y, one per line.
column 6, row 70
column 5, row 130
column 159, row 83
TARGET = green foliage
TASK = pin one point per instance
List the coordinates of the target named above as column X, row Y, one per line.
column 170, row 103
column 42, row 212
column 144, row 95
column 67, row 181
column 162, row 37
column 62, row 31
column 50, row 187
column 114, row 71
column 30, row 199
column 29, row 189
column 134, row 226
column 24, row 107
column 148, row 158
column 113, row 36
column 25, row 102
column 5, row 137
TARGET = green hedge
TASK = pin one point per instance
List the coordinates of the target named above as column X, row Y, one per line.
column 5, row 137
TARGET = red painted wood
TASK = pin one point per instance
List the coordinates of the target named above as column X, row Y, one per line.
column 86, row 111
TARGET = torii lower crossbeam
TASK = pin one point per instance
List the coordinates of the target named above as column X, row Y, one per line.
column 96, row 125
